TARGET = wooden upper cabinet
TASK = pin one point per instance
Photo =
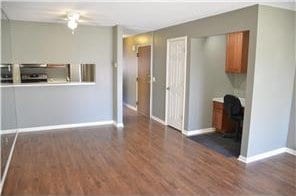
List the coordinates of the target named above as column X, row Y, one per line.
column 237, row 52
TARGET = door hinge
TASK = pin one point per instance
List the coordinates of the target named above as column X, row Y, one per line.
column 137, row 103
column 138, row 54
column 137, row 79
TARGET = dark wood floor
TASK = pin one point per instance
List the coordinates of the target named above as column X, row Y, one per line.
column 144, row 158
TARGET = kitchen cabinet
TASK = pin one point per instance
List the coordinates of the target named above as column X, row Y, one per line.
column 220, row 119
column 237, row 47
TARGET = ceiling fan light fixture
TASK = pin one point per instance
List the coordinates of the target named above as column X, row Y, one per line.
column 72, row 25
column 73, row 19
column 73, row 16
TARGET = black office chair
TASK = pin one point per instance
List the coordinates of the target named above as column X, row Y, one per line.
column 234, row 110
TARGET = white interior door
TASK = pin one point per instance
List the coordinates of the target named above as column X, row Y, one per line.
column 175, row 82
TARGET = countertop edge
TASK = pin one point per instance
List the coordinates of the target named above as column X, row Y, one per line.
column 221, row 100
column 49, row 84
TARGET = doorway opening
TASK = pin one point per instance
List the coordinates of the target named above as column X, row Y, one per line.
column 217, row 91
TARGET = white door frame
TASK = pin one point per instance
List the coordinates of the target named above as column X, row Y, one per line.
column 184, row 85
column 151, row 77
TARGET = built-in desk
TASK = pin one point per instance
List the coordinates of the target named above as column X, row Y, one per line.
column 220, row 119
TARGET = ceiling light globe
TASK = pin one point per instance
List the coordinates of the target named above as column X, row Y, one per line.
column 72, row 24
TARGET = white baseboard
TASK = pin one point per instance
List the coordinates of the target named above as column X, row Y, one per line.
column 266, row 155
column 158, row 120
column 198, row 132
column 8, row 131
column 8, row 163
column 130, row 106
column 291, row 151
column 118, row 125
column 64, row 126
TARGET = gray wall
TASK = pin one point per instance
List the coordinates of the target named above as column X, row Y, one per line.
column 117, row 73
column 41, row 106
column 291, row 140
column 273, row 80
column 243, row 19
column 208, row 79
column 8, row 109
column 53, row 43
column 5, row 41
column 130, row 64
column 270, row 72
column 7, row 96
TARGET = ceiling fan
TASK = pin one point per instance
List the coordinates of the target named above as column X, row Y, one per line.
column 73, row 18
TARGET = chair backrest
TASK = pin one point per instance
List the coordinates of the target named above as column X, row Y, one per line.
column 232, row 105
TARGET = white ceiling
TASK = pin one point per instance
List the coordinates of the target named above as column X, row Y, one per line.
column 135, row 16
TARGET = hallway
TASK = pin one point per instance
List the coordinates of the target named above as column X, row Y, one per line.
column 143, row 158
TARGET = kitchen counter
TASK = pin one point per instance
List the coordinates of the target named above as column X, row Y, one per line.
column 47, row 84
column 221, row 100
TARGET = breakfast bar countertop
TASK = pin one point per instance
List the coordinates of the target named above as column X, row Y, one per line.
column 221, row 100
column 45, row 84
